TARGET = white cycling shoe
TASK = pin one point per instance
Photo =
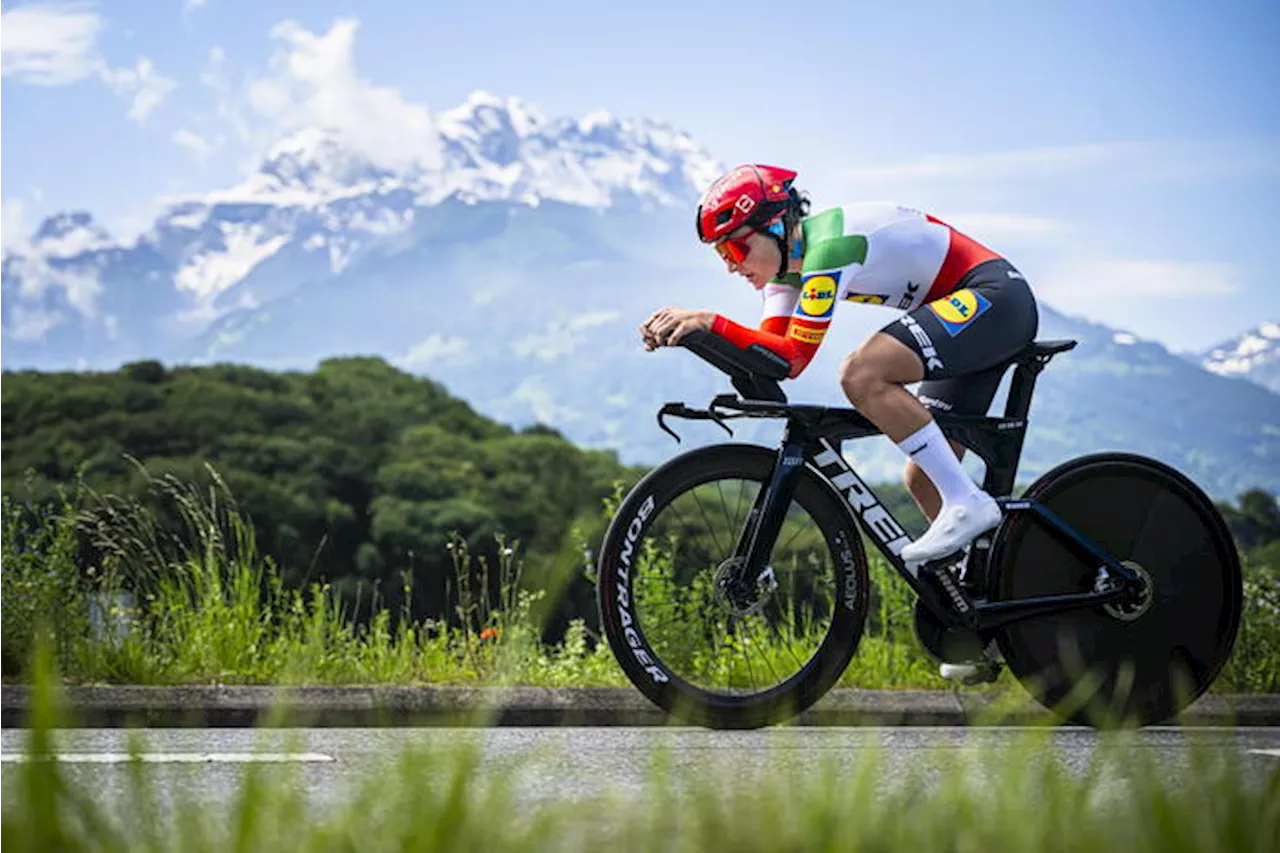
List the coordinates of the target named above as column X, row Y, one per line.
column 956, row 526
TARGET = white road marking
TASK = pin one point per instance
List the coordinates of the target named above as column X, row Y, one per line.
column 181, row 757
column 1274, row 753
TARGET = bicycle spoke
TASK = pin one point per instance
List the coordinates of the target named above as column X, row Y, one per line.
column 800, row 528
column 727, row 519
column 764, row 657
column 785, row 618
column 737, row 507
column 694, row 629
column 710, row 527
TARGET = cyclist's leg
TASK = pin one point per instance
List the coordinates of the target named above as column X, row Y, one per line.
column 979, row 327
column 964, row 395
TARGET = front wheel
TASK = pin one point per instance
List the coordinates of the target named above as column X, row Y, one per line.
column 1139, row 662
column 706, row 648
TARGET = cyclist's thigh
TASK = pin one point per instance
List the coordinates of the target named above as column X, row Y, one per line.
column 988, row 320
column 970, row 394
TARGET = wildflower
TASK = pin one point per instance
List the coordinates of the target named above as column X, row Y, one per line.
column 489, row 633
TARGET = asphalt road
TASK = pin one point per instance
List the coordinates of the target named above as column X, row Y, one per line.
column 206, row 765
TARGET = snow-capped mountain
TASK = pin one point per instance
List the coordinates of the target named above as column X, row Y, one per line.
column 511, row 258
column 1254, row 355
column 316, row 202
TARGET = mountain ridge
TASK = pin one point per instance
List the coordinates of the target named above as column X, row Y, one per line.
column 1254, row 354
column 525, row 303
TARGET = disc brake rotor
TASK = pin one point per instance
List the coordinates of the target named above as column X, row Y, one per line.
column 1129, row 610
column 743, row 598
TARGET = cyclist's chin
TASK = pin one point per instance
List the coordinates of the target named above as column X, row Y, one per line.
column 757, row 281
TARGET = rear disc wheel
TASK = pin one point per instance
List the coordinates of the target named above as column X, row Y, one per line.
column 1142, row 660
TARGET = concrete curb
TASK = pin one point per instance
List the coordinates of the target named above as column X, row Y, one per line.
column 242, row 706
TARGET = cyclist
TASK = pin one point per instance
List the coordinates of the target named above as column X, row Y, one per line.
column 967, row 313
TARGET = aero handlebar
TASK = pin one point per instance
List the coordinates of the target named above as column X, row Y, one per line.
column 755, row 371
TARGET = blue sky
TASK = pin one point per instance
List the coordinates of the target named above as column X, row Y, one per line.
column 1125, row 155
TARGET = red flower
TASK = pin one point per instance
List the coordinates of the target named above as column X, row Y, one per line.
column 489, row 634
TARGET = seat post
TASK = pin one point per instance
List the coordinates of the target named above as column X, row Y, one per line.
column 1022, row 386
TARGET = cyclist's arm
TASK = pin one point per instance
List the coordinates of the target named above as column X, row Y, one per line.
column 786, row 329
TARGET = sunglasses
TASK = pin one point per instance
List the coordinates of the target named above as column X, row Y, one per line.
column 736, row 249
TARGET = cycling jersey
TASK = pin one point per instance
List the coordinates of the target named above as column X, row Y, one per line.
column 874, row 254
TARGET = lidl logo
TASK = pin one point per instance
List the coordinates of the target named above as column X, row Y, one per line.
column 959, row 309
column 818, row 296
column 867, row 298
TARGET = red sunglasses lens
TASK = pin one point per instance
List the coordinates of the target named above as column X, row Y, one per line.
column 733, row 250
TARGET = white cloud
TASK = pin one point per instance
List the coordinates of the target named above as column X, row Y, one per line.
column 32, row 324
column 49, row 44
column 146, row 87
column 435, row 350
column 15, row 234
column 1087, row 281
column 314, row 83
column 55, row 44
column 999, row 227
column 230, row 105
column 192, row 5
column 561, row 338
column 199, row 146
column 1139, row 159
column 80, row 287
column 542, row 402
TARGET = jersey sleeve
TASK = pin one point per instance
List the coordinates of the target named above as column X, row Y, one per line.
column 795, row 336
column 779, row 303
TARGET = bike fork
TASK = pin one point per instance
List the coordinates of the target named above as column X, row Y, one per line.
column 760, row 531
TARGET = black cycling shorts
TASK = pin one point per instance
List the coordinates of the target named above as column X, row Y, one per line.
column 966, row 339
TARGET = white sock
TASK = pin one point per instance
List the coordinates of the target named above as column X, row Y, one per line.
column 929, row 449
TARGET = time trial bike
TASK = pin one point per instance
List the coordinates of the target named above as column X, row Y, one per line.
column 733, row 588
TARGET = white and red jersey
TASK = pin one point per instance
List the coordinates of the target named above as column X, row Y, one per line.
column 873, row 254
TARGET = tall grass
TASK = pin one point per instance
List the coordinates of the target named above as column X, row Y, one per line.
column 180, row 594
column 1024, row 798
column 41, row 588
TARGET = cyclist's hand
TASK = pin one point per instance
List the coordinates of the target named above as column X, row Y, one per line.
column 668, row 325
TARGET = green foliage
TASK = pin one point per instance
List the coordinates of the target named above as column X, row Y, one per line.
column 41, row 589
column 351, row 475
column 985, row 796
column 1256, row 521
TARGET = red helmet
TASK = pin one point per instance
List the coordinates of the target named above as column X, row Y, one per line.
column 748, row 195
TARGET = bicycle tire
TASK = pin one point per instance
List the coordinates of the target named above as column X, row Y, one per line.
column 624, row 627
column 1088, row 665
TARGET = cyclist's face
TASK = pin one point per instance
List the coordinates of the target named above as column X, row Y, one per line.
column 761, row 263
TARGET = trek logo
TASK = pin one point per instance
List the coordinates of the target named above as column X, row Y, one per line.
column 745, row 203
column 931, row 360
column 864, row 503
column 909, row 298
column 623, row 595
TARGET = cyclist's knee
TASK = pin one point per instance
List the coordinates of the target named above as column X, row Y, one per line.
column 860, row 377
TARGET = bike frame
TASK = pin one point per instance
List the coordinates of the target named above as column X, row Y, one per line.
column 814, row 435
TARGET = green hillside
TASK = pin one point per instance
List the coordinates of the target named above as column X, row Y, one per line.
column 355, row 474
